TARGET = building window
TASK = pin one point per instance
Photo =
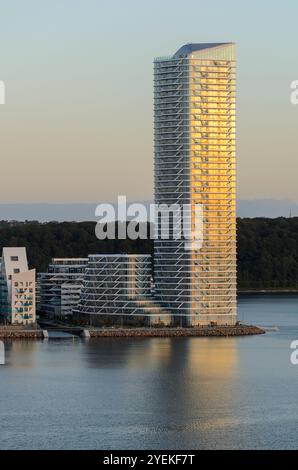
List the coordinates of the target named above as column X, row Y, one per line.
column 16, row 271
column 14, row 258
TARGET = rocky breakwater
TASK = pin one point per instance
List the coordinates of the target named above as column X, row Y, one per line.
column 204, row 331
column 8, row 332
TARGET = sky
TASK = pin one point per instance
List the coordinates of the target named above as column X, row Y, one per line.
column 77, row 125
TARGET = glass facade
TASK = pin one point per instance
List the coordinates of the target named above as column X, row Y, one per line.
column 194, row 110
column 59, row 289
column 113, row 284
column 118, row 288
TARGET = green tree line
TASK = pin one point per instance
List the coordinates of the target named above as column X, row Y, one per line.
column 267, row 248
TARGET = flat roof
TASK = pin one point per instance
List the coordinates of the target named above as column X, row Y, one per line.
column 187, row 49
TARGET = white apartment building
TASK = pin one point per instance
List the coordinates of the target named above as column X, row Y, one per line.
column 17, row 287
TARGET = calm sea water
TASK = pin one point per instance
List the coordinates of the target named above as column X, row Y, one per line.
column 182, row 393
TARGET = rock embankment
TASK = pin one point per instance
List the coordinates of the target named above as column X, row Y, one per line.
column 6, row 333
column 241, row 330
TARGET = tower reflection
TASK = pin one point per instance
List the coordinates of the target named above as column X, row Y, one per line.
column 21, row 354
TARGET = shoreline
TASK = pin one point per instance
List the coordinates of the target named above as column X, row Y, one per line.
column 266, row 291
column 215, row 331
column 203, row 331
column 11, row 333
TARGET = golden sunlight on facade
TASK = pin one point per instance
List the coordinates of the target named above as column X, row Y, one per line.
column 195, row 98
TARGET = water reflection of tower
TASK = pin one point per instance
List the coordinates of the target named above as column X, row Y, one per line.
column 194, row 388
column 21, row 354
column 165, row 385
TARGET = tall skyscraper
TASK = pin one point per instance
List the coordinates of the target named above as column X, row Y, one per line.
column 194, row 112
